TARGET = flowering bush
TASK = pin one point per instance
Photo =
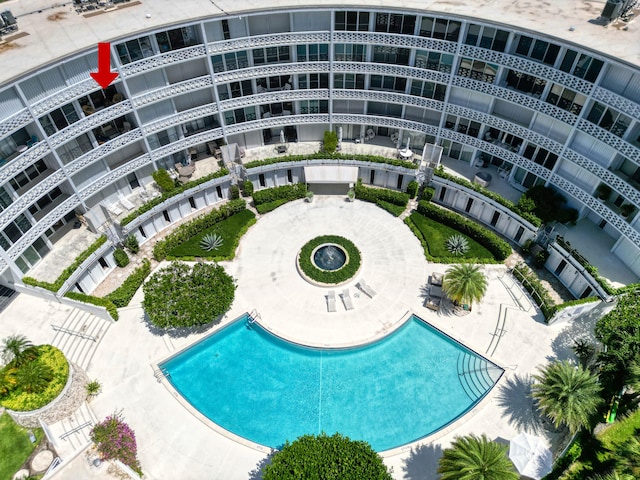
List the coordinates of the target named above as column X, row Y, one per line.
column 114, row 439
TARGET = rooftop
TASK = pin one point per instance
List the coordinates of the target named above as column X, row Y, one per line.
column 55, row 32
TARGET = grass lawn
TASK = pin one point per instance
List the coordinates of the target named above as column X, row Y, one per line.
column 436, row 235
column 230, row 229
column 15, row 446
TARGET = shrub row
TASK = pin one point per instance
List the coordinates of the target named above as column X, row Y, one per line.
column 497, row 246
column 333, row 156
column 122, row 295
column 374, row 195
column 395, row 210
column 285, row 192
column 324, row 276
column 98, row 301
column 64, row 276
column 121, row 258
column 530, row 217
column 187, row 230
column 164, row 180
column 269, row 206
column 531, row 283
column 166, row 195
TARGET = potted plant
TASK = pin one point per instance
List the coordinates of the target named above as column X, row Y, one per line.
column 93, row 388
column 627, row 209
column 351, row 194
column 309, row 196
column 603, row 192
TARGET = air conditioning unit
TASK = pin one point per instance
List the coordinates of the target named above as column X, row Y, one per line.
column 612, row 9
column 8, row 22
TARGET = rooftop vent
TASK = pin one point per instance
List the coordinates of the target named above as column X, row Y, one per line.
column 617, row 8
column 8, row 23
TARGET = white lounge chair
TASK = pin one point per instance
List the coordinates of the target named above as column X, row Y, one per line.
column 362, row 285
column 126, row 203
column 331, row 301
column 114, row 209
column 346, row 299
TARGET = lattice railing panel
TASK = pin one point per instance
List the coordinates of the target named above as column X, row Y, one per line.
column 173, row 90
column 178, row 118
column 90, row 122
column 64, row 96
column 396, row 123
column 185, row 143
column 103, row 150
column 406, row 41
column 16, row 121
column 22, row 161
column 614, row 100
column 390, row 97
column 393, row 70
column 115, row 175
column 288, row 38
column 152, row 63
column 610, row 139
column 273, row 122
column 279, row 69
column 271, row 97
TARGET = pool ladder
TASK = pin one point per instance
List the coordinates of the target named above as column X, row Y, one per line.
column 254, row 316
column 160, row 373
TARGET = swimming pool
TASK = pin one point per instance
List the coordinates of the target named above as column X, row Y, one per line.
column 389, row 393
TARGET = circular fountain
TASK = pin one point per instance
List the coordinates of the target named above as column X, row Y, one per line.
column 328, row 260
column 329, row 257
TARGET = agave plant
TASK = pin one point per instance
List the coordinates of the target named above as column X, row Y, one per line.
column 211, row 241
column 457, row 244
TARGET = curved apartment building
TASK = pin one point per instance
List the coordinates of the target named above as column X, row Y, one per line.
column 559, row 108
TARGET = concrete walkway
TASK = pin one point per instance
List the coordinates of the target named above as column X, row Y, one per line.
column 174, row 442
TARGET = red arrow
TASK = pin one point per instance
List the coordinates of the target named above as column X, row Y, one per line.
column 104, row 76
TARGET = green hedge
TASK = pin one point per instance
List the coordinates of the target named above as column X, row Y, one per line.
column 100, row 302
column 395, row 210
column 531, row 283
column 330, row 143
column 164, row 180
column 121, row 258
column 412, row 188
column 122, row 295
column 333, row 156
column 433, row 236
column 285, row 192
column 166, row 195
column 64, row 276
column 190, row 229
column 572, row 303
column 269, row 206
column 497, row 246
column 19, row 400
column 329, row 277
column 373, row 195
column 427, row 194
column 530, row 217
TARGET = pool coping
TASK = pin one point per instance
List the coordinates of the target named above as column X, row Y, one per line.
column 403, row 449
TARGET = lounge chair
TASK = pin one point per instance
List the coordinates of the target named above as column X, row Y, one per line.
column 114, row 209
column 362, row 285
column 126, row 203
column 346, row 299
column 331, row 301
column 435, row 297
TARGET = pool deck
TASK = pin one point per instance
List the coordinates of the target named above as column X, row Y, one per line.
column 175, row 443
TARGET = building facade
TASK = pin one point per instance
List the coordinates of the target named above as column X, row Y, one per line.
column 542, row 109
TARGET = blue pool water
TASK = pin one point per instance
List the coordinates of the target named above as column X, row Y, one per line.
column 397, row 390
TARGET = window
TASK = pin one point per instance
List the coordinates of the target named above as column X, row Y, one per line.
column 525, row 83
column 29, row 174
column 566, row 99
column 5, row 199
column 393, row 55
column 58, row 119
column 314, row 106
column 583, row 66
column 261, row 180
column 540, row 156
column 395, row 23
column 75, row 148
column 609, row 119
column 387, row 83
column 45, row 200
column 241, row 89
column 487, row 37
column 134, row 50
column 271, row 55
column 538, row 50
column 313, row 80
column 9, row 145
column 177, row 38
column 440, row 62
column 225, row 30
column 462, row 125
column 352, row 21
column 230, row 61
column 313, row 53
column 348, row 81
column 16, row 229
column 436, row 91
column 477, row 70
column 440, row 28
column 350, row 52
column 240, row 115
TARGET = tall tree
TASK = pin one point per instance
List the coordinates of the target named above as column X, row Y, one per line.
column 476, row 458
column 567, row 394
column 465, row 284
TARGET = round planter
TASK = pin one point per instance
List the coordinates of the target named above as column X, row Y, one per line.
column 329, row 278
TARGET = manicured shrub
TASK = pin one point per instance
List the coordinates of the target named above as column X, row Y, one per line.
column 198, row 225
column 122, row 295
column 531, row 283
column 269, row 206
column 335, row 156
column 324, row 457
column 285, row 192
column 115, row 440
column 180, row 296
column 329, row 277
column 498, row 247
column 541, row 259
column 330, row 142
column 176, row 191
column 99, row 302
column 131, row 244
column 412, row 189
column 38, row 381
column 164, row 180
column 395, row 210
column 373, row 195
column 234, row 190
column 121, row 258
column 247, row 187
column 427, row 194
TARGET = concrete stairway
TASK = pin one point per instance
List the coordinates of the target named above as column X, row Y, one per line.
column 71, row 434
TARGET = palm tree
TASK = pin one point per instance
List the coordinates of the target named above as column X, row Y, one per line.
column 465, row 284
column 476, row 458
column 567, row 394
column 629, row 457
column 613, row 475
column 17, row 348
column 34, row 377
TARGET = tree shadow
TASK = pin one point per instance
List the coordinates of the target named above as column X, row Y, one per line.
column 514, row 397
column 256, row 473
column 422, row 463
column 581, row 327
